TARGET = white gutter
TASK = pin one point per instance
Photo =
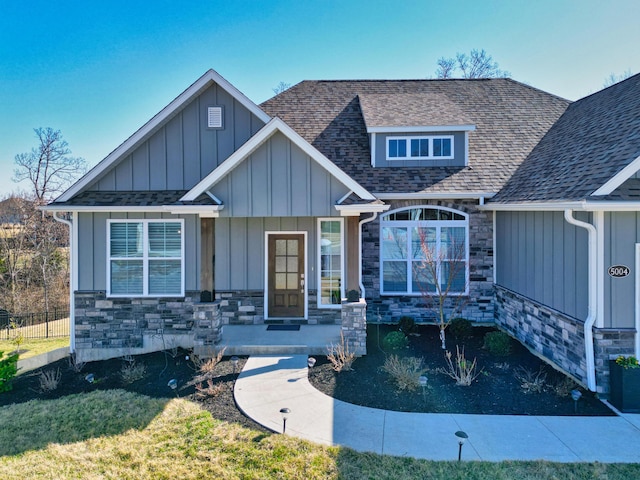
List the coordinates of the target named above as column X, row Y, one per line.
column 587, row 206
column 73, row 262
column 355, row 210
column 434, row 195
column 593, row 292
column 362, row 222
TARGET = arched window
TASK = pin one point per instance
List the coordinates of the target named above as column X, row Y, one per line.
column 424, row 250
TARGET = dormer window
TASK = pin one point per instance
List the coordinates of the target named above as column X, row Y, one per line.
column 420, row 148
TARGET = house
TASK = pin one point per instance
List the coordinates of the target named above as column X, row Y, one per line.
column 276, row 211
column 567, row 229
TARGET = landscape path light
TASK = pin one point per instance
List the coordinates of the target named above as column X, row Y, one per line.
column 285, row 414
column 311, row 362
column 575, row 394
column 462, row 437
column 422, row 380
column 234, row 361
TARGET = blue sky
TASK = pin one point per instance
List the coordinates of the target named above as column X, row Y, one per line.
column 98, row 71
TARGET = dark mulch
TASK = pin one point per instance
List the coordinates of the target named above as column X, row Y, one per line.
column 160, row 368
column 496, row 390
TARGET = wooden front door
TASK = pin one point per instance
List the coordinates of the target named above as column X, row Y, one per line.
column 287, row 280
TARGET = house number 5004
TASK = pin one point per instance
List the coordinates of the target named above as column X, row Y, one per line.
column 619, row 271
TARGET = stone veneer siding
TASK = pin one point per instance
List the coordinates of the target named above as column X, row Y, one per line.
column 354, row 326
column 102, row 322
column 559, row 338
column 247, row 308
column 389, row 309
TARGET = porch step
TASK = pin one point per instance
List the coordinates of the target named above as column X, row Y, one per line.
column 257, row 340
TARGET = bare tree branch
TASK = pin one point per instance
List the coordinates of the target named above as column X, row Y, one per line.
column 281, row 87
column 48, row 167
column 478, row 64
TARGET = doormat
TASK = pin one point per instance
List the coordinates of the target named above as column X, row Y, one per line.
column 288, row 328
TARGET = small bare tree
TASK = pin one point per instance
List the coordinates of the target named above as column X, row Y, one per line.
column 613, row 78
column 441, row 275
column 478, row 64
column 281, row 87
column 48, row 167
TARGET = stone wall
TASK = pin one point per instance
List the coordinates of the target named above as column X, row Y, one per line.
column 122, row 322
column 247, row 308
column 354, row 326
column 559, row 338
column 477, row 307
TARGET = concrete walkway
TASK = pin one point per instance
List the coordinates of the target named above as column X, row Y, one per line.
column 269, row 383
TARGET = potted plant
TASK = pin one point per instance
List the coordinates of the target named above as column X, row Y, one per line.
column 624, row 382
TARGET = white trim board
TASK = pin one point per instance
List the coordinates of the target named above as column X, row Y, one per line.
column 275, row 125
column 210, row 77
column 422, row 128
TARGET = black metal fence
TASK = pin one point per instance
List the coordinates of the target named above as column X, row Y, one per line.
column 54, row 323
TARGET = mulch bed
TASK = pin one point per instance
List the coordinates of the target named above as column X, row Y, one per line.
column 496, row 391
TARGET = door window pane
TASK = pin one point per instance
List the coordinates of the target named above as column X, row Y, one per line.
column 330, row 271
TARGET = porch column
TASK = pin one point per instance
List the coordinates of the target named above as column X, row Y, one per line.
column 353, row 254
column 207, row 251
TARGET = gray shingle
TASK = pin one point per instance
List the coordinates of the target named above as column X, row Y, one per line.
column 510, row 119
column 594, row 139
column 133, row 199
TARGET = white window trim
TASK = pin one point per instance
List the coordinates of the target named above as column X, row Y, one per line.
column 266, row 272
column 319, row 262
column 431, row 138
column 145, row 257
column 422, row 223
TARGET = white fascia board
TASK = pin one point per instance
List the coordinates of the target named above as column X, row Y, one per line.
column 618, row 179
column 434, row 195
column 582, row 205
column 167, row 112
column 355, row 210
column 258, row 139
column 423, row 128
column 174, row 209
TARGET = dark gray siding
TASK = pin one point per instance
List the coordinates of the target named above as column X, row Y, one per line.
column 181, row 152
column 541, row 256
column 458, row 151
column 278, row 180
column 621, row 233
column 239, row 263
column 92, row 248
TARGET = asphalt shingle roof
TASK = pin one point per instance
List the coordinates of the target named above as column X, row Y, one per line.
column 134, row 198
column 592, row 141
column 510, row 119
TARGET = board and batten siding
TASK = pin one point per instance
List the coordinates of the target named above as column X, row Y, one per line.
column 458, row 151
column 92, row 250
column 621, row 233
column 184, row 150
column 279, row 180
column 541, row 256
column 240, row 261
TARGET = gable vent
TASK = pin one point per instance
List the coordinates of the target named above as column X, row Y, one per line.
column 214, row 117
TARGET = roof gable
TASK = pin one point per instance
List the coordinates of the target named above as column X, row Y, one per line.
column 205, row 81
column 240, row 155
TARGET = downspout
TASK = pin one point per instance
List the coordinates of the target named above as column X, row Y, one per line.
column 362, row 222
column 593, row 292
column 72, row 264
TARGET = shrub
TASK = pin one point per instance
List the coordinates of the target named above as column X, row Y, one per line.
column 405, row 372
column 563, row 386
column 211, row 390
column 530, row 381
column 627, row 362
column 498, row 343
column 8, row 370
column 407, row 325
column 461, row 370
column 395, row 341
column 132, row 371
column 49, row 380
column 207, row 365
column 461, row 328
column 340, row 356
column 75, row 364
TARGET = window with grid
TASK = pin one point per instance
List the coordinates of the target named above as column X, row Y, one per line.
column 145, row 258
column 420, row 148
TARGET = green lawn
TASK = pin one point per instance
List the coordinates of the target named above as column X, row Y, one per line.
column 92, row 436
column 33, row 347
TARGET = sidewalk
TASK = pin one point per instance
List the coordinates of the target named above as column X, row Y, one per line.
column 269, row 383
